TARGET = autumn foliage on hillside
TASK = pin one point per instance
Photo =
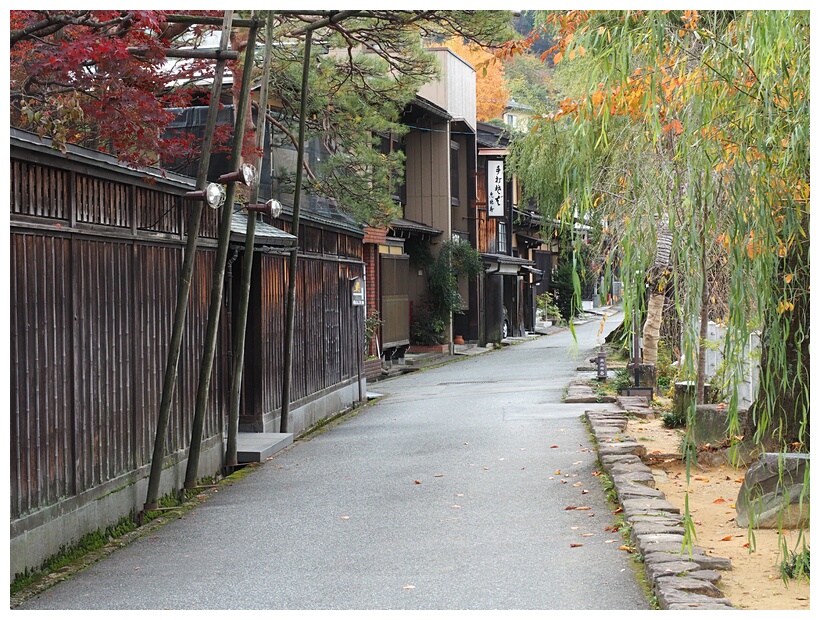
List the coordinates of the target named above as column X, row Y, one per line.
column 491, row 94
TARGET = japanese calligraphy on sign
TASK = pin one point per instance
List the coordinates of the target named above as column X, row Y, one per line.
column 495, row 188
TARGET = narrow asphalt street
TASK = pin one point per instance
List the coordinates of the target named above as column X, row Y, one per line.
column 449, row 492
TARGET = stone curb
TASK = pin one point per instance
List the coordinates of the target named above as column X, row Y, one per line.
column 680, row 579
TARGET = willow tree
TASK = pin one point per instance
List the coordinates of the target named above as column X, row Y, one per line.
column 725, row 96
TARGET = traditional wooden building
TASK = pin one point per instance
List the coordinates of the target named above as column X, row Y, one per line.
column 96, row 251
column 511, row 277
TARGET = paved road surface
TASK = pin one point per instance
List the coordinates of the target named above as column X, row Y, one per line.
column 445, row 494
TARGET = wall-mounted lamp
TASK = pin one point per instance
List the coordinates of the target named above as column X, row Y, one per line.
column 213, row 194
column 271, row 208
column 246, row 174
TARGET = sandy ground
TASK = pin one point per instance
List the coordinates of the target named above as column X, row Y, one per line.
column 754, row 581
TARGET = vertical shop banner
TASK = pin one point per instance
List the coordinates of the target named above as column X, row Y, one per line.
column 495, row 188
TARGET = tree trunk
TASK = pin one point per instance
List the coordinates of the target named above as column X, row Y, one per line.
column 652, row 327
column 784, row 424
column 654, row 309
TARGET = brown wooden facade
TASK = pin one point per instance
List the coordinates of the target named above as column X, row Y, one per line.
column 96, row 252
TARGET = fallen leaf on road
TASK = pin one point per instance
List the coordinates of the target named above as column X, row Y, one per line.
column 578, row 484
column 727, row 538
column 612, row 540
column 557, row 472
column 553, row 446
column 409, row 587
column 486, row 468
column 455, row 506
column 719, row 500
column 417, row 481
column 591, row 514
column 618, row 510
column 575, row 527
column 582, row 508
column 584, row 492
column 625, row 548
column 576, row 544
column 563, row 481
column 577, row 462
column 438, row 476
column 587, row 534
column 570, row 508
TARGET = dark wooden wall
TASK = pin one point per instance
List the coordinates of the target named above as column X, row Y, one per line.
column 95, row 258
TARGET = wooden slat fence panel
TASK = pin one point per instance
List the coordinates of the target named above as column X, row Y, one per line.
column 154, row 300
column 332, row 324
column 157, row 211
column 102, row 338
column 39, row 191
column 41, row 442
column 104, row 202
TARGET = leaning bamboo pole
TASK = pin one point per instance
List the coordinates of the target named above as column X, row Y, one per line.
column 247, row 264
column 206, row 365
column 186, row 275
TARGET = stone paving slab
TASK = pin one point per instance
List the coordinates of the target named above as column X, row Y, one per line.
column 689, row 584
column 698, row 556
column 639, row 529
column 711, row 576
column 676, row 599
column 622, row 447
column 682, row 578
column 666, row 518
column 649, row 506
column 656, row 570
column 638, row 477
column 631, row 490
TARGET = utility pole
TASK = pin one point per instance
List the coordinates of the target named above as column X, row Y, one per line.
column 297, row 197
column 184, row 285
column 217, row 287
column 247, row 263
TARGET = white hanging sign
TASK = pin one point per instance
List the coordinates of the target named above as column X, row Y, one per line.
column 495, row 188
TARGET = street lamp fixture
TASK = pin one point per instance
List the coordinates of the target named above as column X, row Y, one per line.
column 272, row 208
column 246, row 174
column 213, row 195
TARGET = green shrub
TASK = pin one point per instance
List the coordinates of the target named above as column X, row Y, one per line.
column 621, row 380
column 548, row 308
column 795, row 565
column 454, row 259
column 674, row 419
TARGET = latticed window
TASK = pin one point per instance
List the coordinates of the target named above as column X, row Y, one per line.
column 501, row 238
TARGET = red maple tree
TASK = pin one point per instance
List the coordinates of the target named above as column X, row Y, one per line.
column 104, row 79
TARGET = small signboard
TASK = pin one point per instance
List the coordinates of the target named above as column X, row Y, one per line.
column 357, row 291
column 495, row 188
